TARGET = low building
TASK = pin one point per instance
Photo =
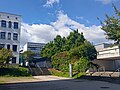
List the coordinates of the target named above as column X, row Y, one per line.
column 10, row 26
column 34, row 47
column 108, row 56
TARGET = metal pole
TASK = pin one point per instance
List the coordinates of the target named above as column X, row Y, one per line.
column 70, row 70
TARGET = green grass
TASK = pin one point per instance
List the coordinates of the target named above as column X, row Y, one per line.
column 6, row 79
column 65, row 74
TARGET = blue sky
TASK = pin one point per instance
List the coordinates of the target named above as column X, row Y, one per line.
column 57, row 17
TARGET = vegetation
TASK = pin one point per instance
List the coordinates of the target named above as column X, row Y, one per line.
column 65, row 74
column 15, row 71
column 5, row 56
column 111, row 26
column 28, row 56
column 74, row 49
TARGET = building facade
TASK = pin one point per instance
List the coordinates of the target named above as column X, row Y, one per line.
column 34, row 47
column 10, row 26
column 108, row 56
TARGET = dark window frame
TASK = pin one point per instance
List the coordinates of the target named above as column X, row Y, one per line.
column 15, row 36
column 14, row 48
column 9, row 36
column 15, row 25
column 3, row 23
column 2, row 35
column 9, row 24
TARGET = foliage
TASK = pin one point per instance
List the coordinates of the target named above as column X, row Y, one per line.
column 14, row 71
column 59, row 73
column 28, row 56
column 111, row 26
column 5, row 56
column 81, row 65
column 61, row 61
column 62, row 44
column 65, row 74
column 84, row 50
column 74, row 49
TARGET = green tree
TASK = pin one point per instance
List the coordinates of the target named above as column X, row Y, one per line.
column 62, row 44
column 5, row 56
column 111, row 26
column 81, row 65
column 84, row 50
column 28, row 56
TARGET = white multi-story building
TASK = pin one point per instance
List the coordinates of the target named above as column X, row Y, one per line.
column 34, row 47
column 108, row 56
column 10, row 26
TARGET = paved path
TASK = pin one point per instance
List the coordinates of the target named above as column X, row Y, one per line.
column 58, row 83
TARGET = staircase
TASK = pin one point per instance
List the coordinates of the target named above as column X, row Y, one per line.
column 37, row 70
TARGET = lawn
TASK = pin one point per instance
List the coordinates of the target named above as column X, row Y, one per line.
column 5, row 79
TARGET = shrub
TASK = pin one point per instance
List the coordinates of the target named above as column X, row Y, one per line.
column 14, row 71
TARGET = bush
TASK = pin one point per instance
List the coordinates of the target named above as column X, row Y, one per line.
column 14, row 71
column 81, row 65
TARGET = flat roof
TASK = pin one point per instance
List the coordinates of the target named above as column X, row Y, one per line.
column 11, row 13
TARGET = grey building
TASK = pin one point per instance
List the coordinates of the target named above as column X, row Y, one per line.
column 108, row 56
column 10, row 26
column 34, row 47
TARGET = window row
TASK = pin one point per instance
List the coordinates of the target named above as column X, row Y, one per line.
column 3, row 36
column 10, row 24
column 14, row 47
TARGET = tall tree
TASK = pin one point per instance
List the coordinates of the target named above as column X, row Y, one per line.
column 111, row 26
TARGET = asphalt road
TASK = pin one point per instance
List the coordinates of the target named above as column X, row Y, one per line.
column 69, row 84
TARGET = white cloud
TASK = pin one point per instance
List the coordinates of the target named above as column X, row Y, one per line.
column 106, row 1
column 49, row 3
column 82, row 18
column 62, row 26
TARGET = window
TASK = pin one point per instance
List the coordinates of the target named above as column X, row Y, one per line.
column 15, row 36
column 8, row 47
column 15, row 25
column 3, row 23
column 2, row 35
column 9, row 24
column 9, row 36
column 14, row 60
column 2, row 46
column 15, row 48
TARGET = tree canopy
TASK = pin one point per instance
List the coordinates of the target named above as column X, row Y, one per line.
column 5, row 56
column 67, row 50
column 111, row 26
column 62, row 44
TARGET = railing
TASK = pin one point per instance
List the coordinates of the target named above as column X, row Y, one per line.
column 30, row 68
column 39, row 68
column 103, row 69
column 107, row 55
column 117, row 70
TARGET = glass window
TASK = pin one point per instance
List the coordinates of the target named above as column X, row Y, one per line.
column 8, row 46
column 15, row 25
column 9, row 24
column 2, row 35
column 15, row 48
column 15, row 36
column 3, row 23
column 9, row 36
column 14, row 60
column 2, row 46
